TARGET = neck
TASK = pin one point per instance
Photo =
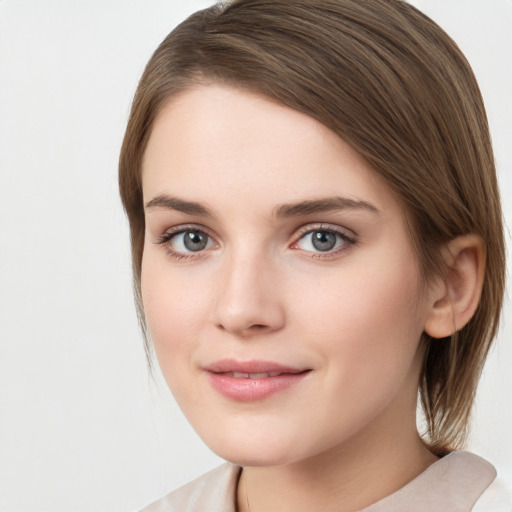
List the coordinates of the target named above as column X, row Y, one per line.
column 343, row 479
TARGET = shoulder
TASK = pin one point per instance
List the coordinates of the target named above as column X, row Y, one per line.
column 215, row 491
column 452, row 484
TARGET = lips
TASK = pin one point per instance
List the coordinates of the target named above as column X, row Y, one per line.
column 261, row 375
column 248, row 381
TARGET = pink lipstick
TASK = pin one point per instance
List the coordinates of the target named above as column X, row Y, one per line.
column 248, row 381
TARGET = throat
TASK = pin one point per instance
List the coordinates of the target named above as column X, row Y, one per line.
column 346, row 488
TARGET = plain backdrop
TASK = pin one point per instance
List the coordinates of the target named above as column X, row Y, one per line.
column 82, row 426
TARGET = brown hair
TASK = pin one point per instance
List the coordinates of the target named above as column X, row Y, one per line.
column 394, row 86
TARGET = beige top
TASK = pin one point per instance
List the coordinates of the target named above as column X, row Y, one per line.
column 452, row 484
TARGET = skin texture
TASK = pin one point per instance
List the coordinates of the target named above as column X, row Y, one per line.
column 260, row 290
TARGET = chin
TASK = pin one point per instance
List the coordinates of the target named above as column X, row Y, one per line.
column 251, row 449
column 244, row 456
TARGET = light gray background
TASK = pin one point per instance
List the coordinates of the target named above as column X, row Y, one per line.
column 82, row 428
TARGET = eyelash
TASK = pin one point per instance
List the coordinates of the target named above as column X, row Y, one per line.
column 346, row 239
column 166, row 238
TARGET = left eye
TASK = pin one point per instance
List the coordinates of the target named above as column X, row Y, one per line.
column 191, row 241
column 321, row 241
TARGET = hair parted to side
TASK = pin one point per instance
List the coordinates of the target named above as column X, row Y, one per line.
column 394, row 86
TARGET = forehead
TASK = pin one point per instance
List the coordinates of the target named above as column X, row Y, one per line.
column 213, row 141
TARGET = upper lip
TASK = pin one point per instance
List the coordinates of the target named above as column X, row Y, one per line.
column 232, row 365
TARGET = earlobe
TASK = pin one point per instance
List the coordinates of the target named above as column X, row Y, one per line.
column 456, row 295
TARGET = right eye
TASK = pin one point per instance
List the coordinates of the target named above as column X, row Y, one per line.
column 187, row 241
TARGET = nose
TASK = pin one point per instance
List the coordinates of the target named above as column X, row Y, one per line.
column 249, row 301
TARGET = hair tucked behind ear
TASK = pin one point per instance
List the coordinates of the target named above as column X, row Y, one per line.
column 393, row 85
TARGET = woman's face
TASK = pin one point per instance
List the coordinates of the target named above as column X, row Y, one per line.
column 281, row 289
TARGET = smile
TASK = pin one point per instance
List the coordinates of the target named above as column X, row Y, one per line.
column 253, row 380
column 238, row 375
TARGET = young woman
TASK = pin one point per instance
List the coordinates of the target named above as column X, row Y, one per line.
column 317, row 241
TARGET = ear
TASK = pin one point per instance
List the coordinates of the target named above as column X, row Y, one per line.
column 455, row 295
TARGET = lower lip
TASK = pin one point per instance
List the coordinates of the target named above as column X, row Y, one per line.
column 251, row 390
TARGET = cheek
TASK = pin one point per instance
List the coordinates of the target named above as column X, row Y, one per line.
column 367, row 332
column 175, row 308
column 367, row 317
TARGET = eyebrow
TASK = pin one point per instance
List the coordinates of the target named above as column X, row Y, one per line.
column 180, row 205
column 327, row 204
column 307, row 207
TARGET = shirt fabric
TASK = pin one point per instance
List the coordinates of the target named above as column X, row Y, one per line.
column 458, row 482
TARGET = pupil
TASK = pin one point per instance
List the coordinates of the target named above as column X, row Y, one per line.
column 323, row 240
column 194, row 241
